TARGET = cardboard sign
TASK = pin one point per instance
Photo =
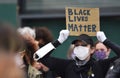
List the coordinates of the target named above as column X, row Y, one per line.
column 82, row 21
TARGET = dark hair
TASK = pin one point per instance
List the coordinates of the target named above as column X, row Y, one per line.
column 100, row 42
column 86, row 38
column 43, row 33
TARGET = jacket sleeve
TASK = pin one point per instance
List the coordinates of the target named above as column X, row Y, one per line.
column 55, row 64
column 46, row 50
column 113, row 46
column 114, row 70
column 56, row 43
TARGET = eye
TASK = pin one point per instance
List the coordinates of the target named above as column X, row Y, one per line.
column 96, row 50
column 102, row 49
column 99, row 50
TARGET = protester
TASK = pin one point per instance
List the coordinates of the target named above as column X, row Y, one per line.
column 32, row 67
column 101, row 51
column 35, row 39
column 82, row 65
column 44, row 36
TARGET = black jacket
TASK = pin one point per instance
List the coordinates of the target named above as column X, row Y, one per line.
column 114, row 70
column 93, row 69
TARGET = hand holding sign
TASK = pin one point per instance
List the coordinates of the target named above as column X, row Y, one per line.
column 63, row 35
column 82, row 20
column 101, row 36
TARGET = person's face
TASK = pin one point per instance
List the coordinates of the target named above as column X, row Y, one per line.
column 101, row 47
column 84, row 44
column 82, row 52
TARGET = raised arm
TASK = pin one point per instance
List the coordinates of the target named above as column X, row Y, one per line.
column 102, row 38
column 63, row 35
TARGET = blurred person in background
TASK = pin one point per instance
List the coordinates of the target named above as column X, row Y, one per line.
column 11, row 44
column 44, row 36
column 8, row 67
column 9, row 39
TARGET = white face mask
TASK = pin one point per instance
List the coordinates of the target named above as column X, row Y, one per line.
column 81, row 52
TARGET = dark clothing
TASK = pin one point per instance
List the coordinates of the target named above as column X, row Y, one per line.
column 114, row 70
column 93, row 69
column 49, row 74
